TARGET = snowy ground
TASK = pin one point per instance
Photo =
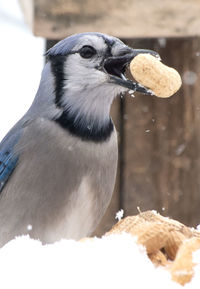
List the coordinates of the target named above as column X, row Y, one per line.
column 21, row 58
column 114, row 262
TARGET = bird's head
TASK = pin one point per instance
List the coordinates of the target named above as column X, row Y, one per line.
column 89, row 71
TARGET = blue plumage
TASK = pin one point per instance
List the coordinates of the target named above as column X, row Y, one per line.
column 8, row 159
column 65, row 46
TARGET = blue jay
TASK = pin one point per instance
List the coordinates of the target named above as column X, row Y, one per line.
column 58, row 163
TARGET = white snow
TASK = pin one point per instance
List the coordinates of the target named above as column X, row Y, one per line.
column 162, row 42
column 21, row 61
column 111, row 262
column 180, row 149
column 131, row 92
column 119, row 215
column 114, row 261
column 29, row 227
column 198, row 227
column 196, row 279
column 189, row 77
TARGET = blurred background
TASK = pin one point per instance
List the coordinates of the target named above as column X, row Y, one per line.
column 21, row 62
column 159, row 139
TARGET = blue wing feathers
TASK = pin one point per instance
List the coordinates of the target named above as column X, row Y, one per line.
column 8, row 163
column 8, row 159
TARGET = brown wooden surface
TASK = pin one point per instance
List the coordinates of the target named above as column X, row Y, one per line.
column 161, row 148
column 57, row 19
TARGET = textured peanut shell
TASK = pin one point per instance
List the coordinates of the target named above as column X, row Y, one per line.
column 168, row 242
column 173, row 242
column 158, row 258
column 182, row 269
column 164, row 81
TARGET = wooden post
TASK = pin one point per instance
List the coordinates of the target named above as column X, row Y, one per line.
column 161, row 146
column 57, row 19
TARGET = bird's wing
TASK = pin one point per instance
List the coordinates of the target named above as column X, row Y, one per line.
column 8, row 158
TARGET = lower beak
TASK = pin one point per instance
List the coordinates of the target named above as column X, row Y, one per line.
column 116, row 67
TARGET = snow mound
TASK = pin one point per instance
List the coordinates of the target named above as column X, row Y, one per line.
column 114, row 261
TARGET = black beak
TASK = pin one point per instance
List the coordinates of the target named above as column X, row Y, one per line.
column 116, row 67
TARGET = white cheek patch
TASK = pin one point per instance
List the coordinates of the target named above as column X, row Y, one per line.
column 81, row 74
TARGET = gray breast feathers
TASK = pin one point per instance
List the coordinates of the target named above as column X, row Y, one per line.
column 64, row 180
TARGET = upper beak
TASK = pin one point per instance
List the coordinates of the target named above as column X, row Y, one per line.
column 116, row 66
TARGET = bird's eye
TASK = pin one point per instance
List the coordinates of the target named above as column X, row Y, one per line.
column 87, row 51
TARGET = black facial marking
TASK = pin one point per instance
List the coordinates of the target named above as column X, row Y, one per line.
column 109, row 44
column 57, row 67
column 85, row 131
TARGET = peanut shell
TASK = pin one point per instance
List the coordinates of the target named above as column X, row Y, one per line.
column 164, row 81
column 182, row 268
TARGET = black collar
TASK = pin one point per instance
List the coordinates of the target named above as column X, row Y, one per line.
column 87, row 132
